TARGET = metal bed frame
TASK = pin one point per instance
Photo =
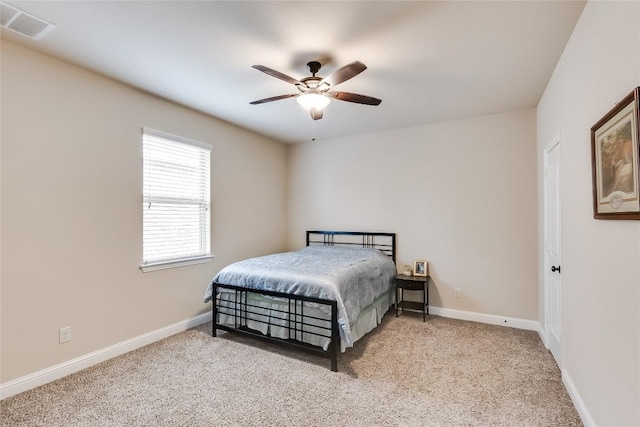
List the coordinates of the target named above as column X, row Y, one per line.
column 296, row 322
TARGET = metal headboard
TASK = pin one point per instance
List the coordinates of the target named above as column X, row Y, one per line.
column 384, row 242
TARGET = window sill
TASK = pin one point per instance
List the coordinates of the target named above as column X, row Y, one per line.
column 175, row 264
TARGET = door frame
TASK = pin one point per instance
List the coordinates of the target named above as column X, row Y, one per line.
column 553, row 144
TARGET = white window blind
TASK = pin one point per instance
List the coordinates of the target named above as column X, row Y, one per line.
column 176, row 200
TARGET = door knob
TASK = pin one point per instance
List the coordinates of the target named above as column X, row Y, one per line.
column 554, row 268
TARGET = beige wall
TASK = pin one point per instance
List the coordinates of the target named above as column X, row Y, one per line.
column 71, row 210
column 459, row 194
column 600, row 259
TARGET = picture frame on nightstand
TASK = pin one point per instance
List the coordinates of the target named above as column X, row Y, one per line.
column 420, row 268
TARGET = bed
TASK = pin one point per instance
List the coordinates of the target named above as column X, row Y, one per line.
column 320, row 299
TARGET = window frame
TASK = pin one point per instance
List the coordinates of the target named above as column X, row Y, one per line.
column 184, row 261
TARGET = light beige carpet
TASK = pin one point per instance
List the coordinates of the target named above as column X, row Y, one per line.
column 405, row 373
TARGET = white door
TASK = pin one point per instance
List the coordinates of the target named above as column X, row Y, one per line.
column 553, row 252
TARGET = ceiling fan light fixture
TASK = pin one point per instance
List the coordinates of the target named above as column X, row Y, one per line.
column 314, row 91
column 313, row 101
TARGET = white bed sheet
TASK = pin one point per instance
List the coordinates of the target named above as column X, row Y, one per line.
column 266, row 316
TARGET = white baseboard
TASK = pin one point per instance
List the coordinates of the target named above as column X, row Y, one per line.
column 53, row 373
column 513, row 322
column 543, row 335
column 585, row 416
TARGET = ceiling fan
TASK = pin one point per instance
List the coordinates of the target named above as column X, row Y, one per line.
column 314, row 92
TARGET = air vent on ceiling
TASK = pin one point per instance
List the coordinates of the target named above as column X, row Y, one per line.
column 23, row 23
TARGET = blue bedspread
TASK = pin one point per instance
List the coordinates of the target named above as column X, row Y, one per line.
column 354, row 277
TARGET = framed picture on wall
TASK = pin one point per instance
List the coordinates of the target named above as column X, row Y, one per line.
column 420, row 268
column 615, row 157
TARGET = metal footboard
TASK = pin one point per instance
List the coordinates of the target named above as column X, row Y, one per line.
column 293, row 320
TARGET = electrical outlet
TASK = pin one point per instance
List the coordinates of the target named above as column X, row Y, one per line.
column 65, row 334
column 457, row 293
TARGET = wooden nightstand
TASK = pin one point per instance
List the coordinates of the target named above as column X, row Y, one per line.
column 413, row 283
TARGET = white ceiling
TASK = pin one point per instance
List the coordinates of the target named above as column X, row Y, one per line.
column 429, row 61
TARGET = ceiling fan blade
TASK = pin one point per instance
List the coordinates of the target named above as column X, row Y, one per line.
column 343, row 74
column 316, row 114
column 276, row 74
column 273, row 98
column 354, row 97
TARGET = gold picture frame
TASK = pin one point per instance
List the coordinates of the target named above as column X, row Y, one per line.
column 615, row 156
column 420, row 268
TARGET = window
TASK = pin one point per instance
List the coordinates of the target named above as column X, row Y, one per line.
column 176, row 201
